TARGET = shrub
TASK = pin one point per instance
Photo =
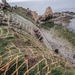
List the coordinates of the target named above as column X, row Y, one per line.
column 57, row 71
column 69, row 73
column 48, row 25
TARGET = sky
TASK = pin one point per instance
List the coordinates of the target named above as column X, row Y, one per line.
column 41, row 5
column 21, row 0
column 13, row 0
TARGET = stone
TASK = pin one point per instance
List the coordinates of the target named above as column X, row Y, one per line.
column 57, row 51
column 47, row 14
column 4, row 1
column 74, row 56
column 34, row 16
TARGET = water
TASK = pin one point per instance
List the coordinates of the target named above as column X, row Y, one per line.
column 71, row 25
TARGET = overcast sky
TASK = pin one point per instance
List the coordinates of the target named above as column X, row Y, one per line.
column 21, row 0
column 41, row 5
column 13, row 0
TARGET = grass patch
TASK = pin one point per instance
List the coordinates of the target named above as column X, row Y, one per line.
column 48, row 25
column 27, row 43
column 22, row 13
column 69, row 73
column 4, row 42
column 57, row 71
column 65, row 33
column 0, row 9
column 4, row 30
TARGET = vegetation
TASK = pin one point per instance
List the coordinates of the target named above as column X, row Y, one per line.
column 65, row 33
column 62, row 30
column 10, row 49
column 57, row 71
column 17, row 55
column 69, row 73
column 48, row 25
column 22, row 13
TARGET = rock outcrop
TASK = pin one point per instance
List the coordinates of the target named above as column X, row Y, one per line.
column 5, row 6
column 34, row 16
column 48, row 14
column 63, row 18
column 4, row 1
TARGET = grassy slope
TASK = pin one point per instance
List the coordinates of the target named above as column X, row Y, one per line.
column 16, row 48
column 65, row 33
column 22, row 12
column 47, row 25
column 62, row 31
column 11, row 46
